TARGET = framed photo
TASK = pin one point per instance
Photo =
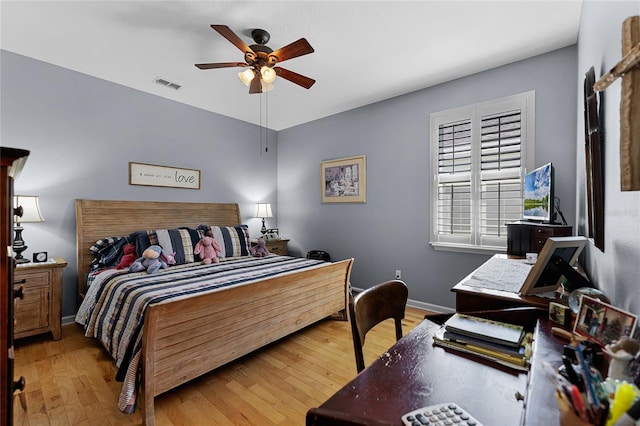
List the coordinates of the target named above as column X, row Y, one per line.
column 272, row 234
column 602, row 322
column 555, row 260
column 152, row 175
column 593, row 144
column 560, row 314
column 344, row 180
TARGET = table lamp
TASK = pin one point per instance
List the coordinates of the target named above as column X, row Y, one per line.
column 263, row 210
column 26, row 210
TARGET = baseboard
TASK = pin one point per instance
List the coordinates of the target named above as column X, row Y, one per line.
column 68, row 320
column 430, row 307
column 418, row 304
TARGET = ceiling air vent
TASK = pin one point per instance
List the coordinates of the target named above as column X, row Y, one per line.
column 167, row 83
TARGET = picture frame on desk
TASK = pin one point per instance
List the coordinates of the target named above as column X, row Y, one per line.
column 602, row 322
column 555, row 261
column 560, row 314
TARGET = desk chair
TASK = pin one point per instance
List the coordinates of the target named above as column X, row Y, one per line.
column 371, row 307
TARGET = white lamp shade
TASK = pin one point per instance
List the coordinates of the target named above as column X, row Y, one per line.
column 268, row 74
column 263, row 210
column 30, row 208
column 246, row 76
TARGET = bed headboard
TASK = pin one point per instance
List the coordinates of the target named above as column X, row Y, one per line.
column 96, row 219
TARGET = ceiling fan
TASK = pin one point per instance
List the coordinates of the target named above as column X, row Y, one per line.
column 261, row 59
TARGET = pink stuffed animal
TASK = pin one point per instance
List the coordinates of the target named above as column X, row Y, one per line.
column 260, row 249
column 208, row 249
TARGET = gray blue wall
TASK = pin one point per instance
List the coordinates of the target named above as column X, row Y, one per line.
column 391, row 231
column 83, row 132
column 617, row 269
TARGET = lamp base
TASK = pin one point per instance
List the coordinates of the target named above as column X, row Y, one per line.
column 264, row 228
column 18, row 245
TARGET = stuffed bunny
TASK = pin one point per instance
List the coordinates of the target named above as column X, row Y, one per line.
column 208, row 249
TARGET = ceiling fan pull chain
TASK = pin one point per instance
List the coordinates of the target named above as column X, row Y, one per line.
column 260, row 128
column 266, row 123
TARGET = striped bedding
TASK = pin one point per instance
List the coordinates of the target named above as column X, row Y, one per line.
column 114, row 305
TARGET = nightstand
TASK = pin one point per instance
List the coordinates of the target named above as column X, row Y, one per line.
column 40, row 308
column 275, row 246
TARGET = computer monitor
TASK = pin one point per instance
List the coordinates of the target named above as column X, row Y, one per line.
column 556, row 260
column 538, row 196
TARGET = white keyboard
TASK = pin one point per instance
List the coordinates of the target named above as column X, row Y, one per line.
column 439, row 415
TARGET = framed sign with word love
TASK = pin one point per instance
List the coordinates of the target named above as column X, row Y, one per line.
column 151, row 175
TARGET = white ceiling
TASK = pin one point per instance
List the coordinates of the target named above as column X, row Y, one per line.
column 365, row 51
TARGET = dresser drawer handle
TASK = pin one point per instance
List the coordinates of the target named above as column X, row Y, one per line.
column 19, row 293
column 22, row 281
column 19, row 384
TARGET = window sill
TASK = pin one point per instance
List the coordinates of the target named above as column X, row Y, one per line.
column 466, row 248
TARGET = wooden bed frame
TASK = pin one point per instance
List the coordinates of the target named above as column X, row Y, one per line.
column 186, row 338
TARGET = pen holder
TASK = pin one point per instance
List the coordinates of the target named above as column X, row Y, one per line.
column 568, row 416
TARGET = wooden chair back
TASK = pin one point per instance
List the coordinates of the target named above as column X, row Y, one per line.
column 372, row 306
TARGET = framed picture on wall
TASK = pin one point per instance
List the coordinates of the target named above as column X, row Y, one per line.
column 593, row 162
column 167, row 176
column 344, row 180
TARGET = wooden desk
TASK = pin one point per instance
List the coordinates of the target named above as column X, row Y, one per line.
column 473, row 298
column 414, row 373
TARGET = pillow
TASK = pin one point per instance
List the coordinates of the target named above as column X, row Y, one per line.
column 234, row 240
column 180, row 241
column 107, row 252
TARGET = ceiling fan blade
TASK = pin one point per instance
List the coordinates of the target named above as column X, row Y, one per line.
column 293, row 50
column 232, row 37
column 294, row 77
column 256, row 84
column 221, row 65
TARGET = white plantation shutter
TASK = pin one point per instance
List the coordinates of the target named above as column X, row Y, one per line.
column 479, row 154
column 454, row 184
column 500, row 183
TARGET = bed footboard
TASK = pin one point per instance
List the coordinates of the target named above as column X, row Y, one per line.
column 184, row 339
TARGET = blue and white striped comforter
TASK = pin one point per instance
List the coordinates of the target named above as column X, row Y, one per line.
column 114, row 305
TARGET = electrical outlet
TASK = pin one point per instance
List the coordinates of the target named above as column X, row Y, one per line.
column 398, row 274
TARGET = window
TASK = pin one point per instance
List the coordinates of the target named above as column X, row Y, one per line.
column 479, row 155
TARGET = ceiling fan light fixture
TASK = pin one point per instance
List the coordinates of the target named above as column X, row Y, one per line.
column 268, row 74
column 246, row 76
column 260, row 59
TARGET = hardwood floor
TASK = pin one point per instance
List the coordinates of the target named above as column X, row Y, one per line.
column 72, row 381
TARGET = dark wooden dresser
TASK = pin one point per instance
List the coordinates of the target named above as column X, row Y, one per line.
column 12, row 162
column 529, row 237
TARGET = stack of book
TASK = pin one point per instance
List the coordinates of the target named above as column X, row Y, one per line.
column 506, row 344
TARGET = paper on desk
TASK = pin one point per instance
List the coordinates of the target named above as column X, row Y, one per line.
column 500, row 274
